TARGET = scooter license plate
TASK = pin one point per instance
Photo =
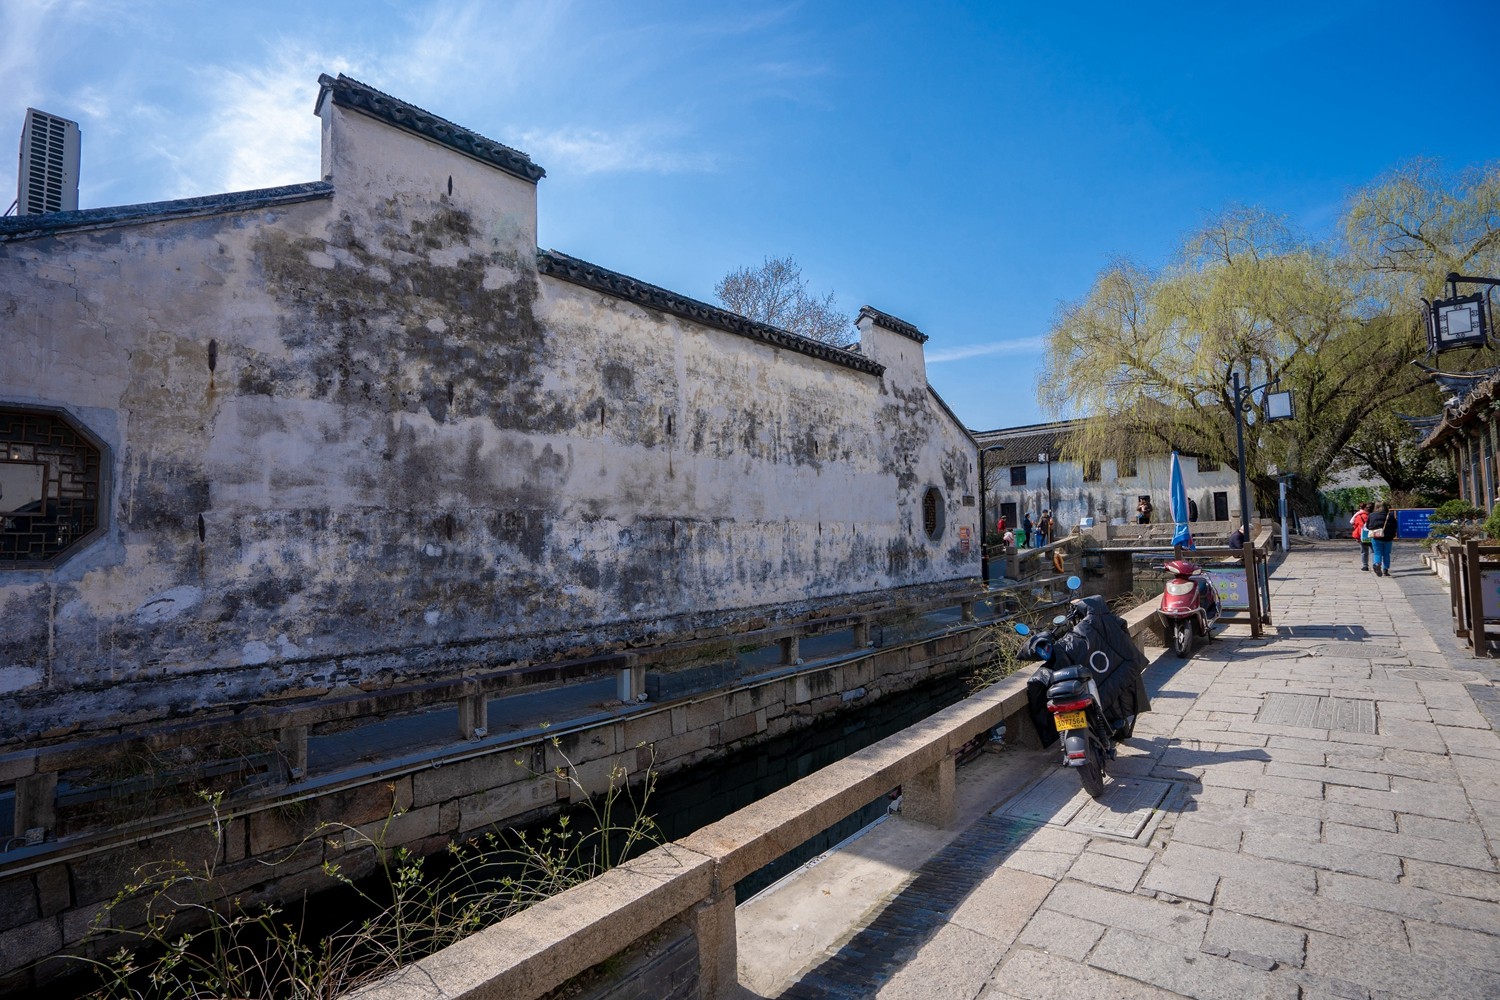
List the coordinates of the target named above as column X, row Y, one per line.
column 1071, row 720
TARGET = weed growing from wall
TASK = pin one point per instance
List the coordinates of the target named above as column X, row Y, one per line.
column 175, row 934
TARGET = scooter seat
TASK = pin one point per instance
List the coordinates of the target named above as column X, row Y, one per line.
column 1066, row 690
column 1069, row 673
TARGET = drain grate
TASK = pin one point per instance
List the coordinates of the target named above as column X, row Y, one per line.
column 1309, row 711
column 1128, row 807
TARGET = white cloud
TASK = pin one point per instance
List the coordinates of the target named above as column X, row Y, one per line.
column 1019, row 345
column 261, row 132
column 591, row 151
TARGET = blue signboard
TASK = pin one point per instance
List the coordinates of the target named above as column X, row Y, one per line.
column 1413, row 523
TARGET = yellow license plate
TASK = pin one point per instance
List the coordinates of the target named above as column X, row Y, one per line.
column 1071, row 720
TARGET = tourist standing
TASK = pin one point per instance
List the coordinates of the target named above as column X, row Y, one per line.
column 1358, row 521
column 1143, row 511
column 1027, row 531
column 1044, row 531
column 1382, row 525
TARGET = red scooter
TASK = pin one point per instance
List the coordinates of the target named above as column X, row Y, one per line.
column 1189, row 605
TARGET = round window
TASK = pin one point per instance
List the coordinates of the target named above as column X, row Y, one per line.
column 932, row 513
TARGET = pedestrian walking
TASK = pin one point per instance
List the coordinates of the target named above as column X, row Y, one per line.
column 1358, row 521
column 1382, row 525
column 1027, row 532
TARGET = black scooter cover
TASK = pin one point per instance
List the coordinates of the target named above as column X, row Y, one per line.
column 1116, row 668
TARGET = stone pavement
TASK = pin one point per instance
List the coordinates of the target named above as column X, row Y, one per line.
column 1328, row 823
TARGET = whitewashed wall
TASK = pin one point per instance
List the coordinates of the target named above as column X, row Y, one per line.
column 360, row 439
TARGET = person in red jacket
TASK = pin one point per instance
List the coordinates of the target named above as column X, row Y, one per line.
column 1359, row 520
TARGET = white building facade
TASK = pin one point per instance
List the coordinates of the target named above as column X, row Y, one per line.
column 1024, row 475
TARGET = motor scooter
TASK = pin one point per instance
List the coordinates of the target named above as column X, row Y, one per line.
column 1073, row 668
column 1189, row 605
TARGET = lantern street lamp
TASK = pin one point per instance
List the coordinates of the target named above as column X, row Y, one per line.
column 1459, row 320
column 1278, row 407
column 984, row 517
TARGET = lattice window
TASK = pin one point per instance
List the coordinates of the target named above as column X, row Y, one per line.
column 51, row 485
column 1206, row 464
column 1093, row 471
column 1018, row 475
column 932, row 513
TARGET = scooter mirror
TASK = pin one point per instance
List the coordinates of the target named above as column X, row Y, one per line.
column 1074, row 583
column 1022, row 628
column 1060, row 619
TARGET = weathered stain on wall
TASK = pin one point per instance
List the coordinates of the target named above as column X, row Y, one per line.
column 358, row 434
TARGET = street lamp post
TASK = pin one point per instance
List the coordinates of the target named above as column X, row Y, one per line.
column 984, row 517
column 1046, row 456
column 1278, row 407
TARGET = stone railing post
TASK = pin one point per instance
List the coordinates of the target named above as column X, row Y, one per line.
column 791, row 647
column 473, row 714
column 294, row 750
column 862, row 633
column 36, row 806
column 928, row 796
column 712, row 922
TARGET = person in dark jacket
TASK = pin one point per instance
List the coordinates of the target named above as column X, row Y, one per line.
column 1382, row 525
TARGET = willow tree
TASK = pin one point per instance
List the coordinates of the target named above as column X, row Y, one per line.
column 1149, row 356
column 1413, row 226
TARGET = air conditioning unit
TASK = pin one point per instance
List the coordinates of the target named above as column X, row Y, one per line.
column 48, row 180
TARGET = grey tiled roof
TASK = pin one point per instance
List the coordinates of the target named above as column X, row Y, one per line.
column 581, row 272
column 1021, row 445
column 893, row 324
column 350, row 93
column 26, row 226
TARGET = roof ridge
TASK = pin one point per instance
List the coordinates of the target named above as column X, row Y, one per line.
column 581, row 272
column 22, row 226
column 893, row 324
column 348, row 92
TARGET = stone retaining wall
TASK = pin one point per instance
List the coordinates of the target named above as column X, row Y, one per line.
column 57, row 896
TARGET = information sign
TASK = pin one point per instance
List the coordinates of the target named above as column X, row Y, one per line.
column 1414, row 522
column 1489, row 589
column 1230, row 583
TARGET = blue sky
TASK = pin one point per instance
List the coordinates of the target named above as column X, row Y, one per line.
column 964, row 166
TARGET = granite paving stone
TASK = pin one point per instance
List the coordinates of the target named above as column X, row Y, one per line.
column 1230, row 932
column 1322, row 855
column 1454, row 944
column 1186, row 973
column 1470, row 854
column 1180, row 882
column 1111, row 873
column 1320, row 809
column 1396, row 970
column 1066, row 934
column 1297, row 908
column 1290, row 861
column 1039, row 976
column 1173, row 923
column 1411, row 901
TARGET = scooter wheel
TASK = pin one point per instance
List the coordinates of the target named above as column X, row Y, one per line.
column 1182, row 637
column 1091, row 772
